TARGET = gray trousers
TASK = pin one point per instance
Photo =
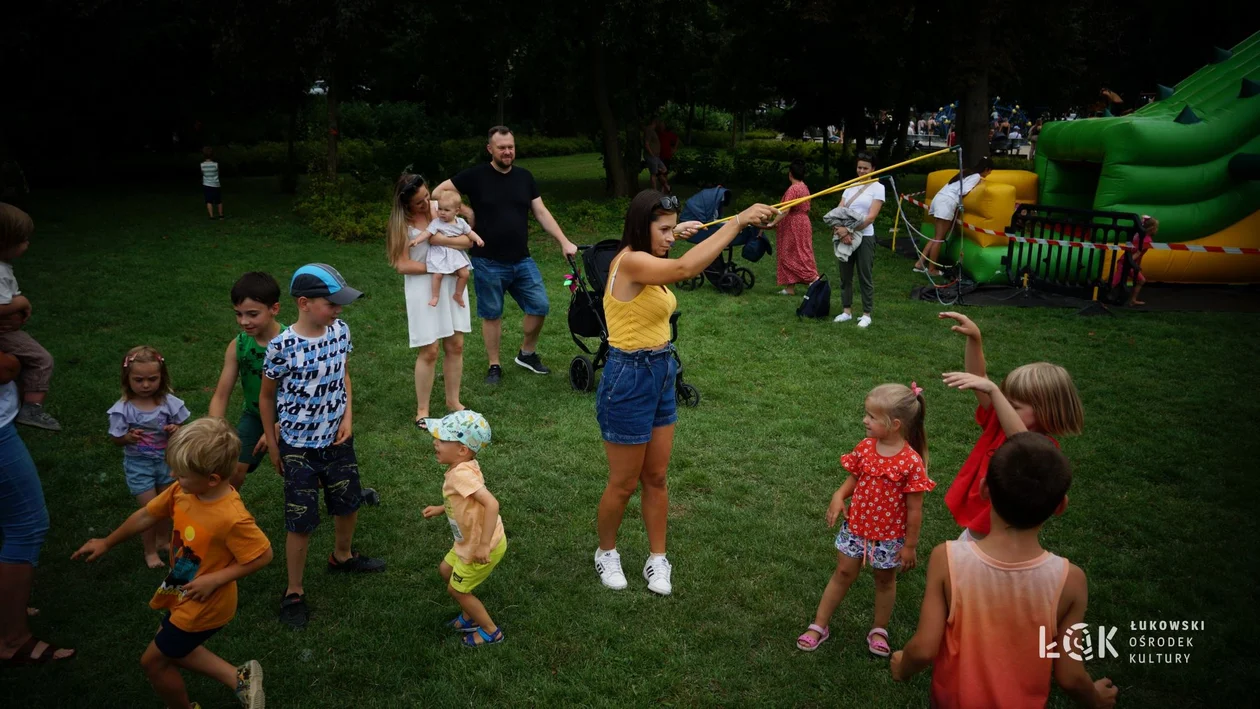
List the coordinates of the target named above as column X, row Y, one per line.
column 864, row 259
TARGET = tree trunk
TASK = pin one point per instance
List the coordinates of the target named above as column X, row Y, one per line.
column 334, row 114
column 734, row 128
column 632, row 158
column 503, row 84
column 691, row 117
column 288, row 180
column 974, row 131
column 826, row 151
column 614, row 169
column 895, row 136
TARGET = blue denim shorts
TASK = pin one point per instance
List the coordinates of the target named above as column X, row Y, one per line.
column 145, row 473
column 522, row 280
column 636, row 395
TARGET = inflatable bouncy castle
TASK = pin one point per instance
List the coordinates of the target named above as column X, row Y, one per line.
column 1191, row 159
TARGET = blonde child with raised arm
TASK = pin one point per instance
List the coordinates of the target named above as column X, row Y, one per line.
column 1038, row 397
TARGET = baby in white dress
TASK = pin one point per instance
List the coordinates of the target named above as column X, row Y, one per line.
column 443, row 260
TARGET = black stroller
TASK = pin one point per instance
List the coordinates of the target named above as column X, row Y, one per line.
column 586, row 320
column 706, row 206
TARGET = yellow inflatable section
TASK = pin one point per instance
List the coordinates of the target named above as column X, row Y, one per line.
column 1191, row 267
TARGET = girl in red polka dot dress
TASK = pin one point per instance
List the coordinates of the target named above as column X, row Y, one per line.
column 887, row 479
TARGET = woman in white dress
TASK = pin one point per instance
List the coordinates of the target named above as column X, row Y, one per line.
column 944, row 210
column 447, row 321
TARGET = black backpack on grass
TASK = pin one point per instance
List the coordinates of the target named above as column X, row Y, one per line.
column 817, row 301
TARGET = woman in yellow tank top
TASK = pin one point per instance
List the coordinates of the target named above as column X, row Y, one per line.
column 635, row 404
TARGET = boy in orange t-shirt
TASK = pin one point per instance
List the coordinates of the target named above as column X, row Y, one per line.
column 989, row 604
column 473, row 514
column 214, row 542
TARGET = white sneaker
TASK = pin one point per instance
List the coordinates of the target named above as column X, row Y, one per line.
column 864, row 321
column 657, row 571
column 608, row 566
column 843, row 317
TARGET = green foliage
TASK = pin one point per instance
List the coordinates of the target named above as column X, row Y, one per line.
column 346, row 209
column 354, row 208
column 763, row 163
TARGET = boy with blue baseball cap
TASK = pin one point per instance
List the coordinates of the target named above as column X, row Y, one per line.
column 306, row 387
column 473, row 514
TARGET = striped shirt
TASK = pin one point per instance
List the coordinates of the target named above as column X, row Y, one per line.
column 210, row 173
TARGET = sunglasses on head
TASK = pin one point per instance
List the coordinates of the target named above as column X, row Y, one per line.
column 669, row 203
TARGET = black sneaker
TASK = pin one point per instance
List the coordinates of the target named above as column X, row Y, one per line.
column 494, row 374
column 356, row 564
column 532, row 362
column 293, row 611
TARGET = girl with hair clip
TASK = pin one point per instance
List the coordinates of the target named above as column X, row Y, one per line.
column 886, row 481
column 142, row 421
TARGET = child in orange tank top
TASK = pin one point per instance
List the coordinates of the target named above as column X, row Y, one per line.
column 989, row 603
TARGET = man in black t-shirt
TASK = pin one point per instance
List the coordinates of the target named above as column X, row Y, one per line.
column 502, row 199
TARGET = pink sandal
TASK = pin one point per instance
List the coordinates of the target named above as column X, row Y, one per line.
column 810, row 644
column 875, row 645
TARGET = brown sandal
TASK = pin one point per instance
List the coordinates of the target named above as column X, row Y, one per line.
column 25, row 655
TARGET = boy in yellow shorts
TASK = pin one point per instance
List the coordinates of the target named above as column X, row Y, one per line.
column 473, row 514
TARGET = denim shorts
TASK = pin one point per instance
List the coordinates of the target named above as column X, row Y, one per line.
column 335, row 468
column 145, row 473
column 522, row 280
column 636, row 395
column 23, row 516
column 879, row 553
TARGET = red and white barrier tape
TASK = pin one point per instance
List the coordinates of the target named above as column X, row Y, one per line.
column 1194, row 248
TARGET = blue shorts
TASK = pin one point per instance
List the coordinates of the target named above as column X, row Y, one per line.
column 175, row 643
column 335, row 468
column 636, row 394
column 213, row 195
column 145, row 474
column 522, row 280
column 879, row 553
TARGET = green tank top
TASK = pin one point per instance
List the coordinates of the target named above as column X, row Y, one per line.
column 249, row 363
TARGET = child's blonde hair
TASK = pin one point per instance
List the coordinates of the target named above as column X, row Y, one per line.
column 16, row 226
column 901, row 403
column 205, row 447
column 400, row 214
column 145, row 355
column 1049, row 390
column 449, row 199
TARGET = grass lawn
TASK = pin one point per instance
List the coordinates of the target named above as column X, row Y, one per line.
column 1160, row 515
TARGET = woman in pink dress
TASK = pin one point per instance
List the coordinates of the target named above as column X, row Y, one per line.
column 795, row 242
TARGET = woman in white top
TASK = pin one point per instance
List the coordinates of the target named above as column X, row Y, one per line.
column 867, row 199
column 447, row 321
column 944, row 209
